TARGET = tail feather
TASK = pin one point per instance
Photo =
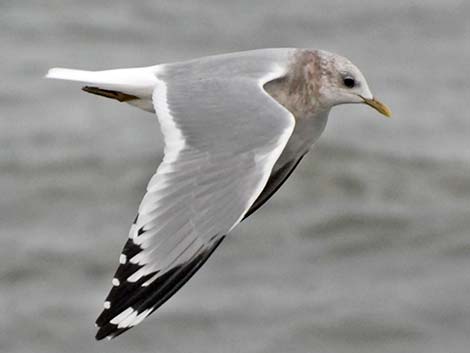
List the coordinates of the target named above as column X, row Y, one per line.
column 138, row 81
column 73, row 75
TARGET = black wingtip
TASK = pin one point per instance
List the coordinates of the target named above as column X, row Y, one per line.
column 109, row 331
column 160, row 291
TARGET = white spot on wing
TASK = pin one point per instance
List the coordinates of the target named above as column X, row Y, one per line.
column 138, row 258
column 144, row 271
column 122, row 259
column 122, row 316
column 106, row 305
column 141, row 317
column 116, row 282
column 148, row 282
column 134, row 277
column 128, row 320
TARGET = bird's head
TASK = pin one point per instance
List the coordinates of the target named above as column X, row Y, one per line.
column 341, row 82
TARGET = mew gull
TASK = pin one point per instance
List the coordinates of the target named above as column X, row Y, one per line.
column 235, row 126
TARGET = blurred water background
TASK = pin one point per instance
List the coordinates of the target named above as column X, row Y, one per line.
column 365, row 249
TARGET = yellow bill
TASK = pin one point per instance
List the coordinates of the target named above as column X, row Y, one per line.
column 379, row 106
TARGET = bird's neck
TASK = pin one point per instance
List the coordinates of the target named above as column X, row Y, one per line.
column 299, row 91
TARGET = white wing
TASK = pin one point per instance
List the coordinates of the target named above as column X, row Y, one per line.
column 223, row 133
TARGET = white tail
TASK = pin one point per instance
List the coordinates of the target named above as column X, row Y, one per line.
column 71, row 75
column 138, row 81
column 134, row 86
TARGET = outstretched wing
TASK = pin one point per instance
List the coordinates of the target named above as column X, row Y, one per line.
column 223, row 135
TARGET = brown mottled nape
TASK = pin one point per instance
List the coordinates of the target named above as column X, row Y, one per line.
column 121, row 97
column 297, row 90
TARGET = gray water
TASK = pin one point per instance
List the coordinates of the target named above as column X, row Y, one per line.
column 365, row 249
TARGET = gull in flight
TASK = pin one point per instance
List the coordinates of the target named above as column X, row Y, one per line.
column 235, row 126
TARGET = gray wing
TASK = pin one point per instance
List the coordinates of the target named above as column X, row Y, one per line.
column 223, row 134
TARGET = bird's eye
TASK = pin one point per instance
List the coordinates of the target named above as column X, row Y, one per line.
column 349, row 82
